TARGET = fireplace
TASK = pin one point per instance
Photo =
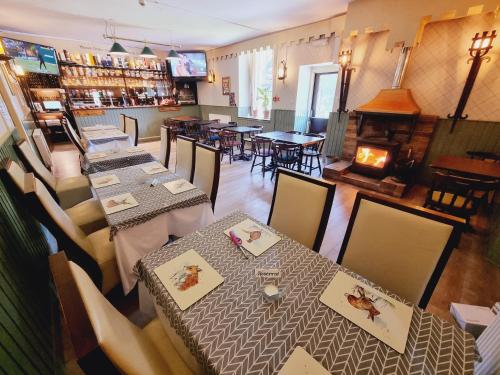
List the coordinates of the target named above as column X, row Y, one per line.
column 374, row 157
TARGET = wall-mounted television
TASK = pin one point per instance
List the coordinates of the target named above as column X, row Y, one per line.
column 31, row 57
column 191, row 64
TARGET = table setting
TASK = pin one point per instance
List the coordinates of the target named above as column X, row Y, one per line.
column 115, row 158
column 142, row 212
column 245, row 298
column 107, row 139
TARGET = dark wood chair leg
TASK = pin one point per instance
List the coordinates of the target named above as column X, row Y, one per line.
column 253, row 163
column 319, row 165
column 263, row 166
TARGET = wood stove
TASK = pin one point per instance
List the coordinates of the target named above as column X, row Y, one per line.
column 374, row 157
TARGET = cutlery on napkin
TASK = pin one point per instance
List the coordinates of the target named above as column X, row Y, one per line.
column 237, row 241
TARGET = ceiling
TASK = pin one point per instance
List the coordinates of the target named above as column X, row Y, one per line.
column 202, row 24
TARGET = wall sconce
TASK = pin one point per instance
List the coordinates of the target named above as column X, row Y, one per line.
column 345, row 64
column 211, row 76
column 281, row 75
column 481, row 45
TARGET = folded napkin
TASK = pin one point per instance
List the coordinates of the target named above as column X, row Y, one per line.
column 301, row 363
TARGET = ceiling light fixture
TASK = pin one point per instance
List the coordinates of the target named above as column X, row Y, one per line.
column 172, row 54
column 147, row 53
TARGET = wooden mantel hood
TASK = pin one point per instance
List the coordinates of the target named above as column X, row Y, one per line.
column 394, row 103
column 391, row 102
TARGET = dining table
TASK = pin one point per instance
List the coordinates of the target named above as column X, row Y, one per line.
column 234, row 329
column 298, row 139
column 105, row 140
column 220, row 126
column 242, row 130
column 146, row 227
column 468, row 167
column 94, row 162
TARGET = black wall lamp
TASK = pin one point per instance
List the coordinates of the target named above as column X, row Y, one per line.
column 481, row 45
column 346, row 70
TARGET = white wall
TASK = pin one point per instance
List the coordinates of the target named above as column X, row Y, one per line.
column 211, row 93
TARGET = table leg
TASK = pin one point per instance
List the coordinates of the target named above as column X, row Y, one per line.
column 299, row 168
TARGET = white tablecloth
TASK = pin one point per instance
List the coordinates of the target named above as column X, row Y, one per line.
column 133, row 243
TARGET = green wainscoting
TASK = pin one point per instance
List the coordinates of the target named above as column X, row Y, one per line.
column 205, row 110
column 283, row 120
column 335, row 133
column 149, row 118
column 468, row 135
column 27, row 299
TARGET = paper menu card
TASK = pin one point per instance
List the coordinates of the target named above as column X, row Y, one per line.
column 96, row 155
column 102, row 181
column 188, row 278
column 118, row 203
column 301, row 362
column 179, row 186
column 154, row 168
column 378, row 314
column 254, row 237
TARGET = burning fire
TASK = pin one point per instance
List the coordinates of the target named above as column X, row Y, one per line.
column 371, row 156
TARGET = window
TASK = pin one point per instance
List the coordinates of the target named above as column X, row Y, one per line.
column 323, row 95
column 256, row 84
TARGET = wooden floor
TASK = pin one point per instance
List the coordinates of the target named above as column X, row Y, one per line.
column 468, row 277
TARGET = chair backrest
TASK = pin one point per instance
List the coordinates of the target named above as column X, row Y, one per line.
column 122, row 122
column 132, row 129
column 483, row 155
column 400, row 247
column 262, row 146
column 227, row 138
column 104, row 340
column 165, row 144
column 13, row 178
column 71, row 238
column 294, row 132
column 301, row 207
column 286, row 153
column 207, row 170
column 185, row 157
column 72, row 135
column 458, row 195
column 42, row 147
column 33, row 164
column 318, row 146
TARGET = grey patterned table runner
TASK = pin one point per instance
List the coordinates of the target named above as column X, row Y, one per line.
column 115, row 160
column 104, row 136
column 153, row 200
column 233, row 330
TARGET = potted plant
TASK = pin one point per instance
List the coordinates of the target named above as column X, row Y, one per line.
column 265, row 96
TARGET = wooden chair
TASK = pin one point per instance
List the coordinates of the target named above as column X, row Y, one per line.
column 263, row 149
column 487, row 156
column 313, row 152
column 192, row 130
column 67, row 191
column 105, row 341
column 185, row 157
column 165, row 144
column 175, row 128
column 228, row 142
column 294, row 132
column 87, row 215
column 301, row 207
column 94, row 252
column 72, row 135
column 459, row 196
column 285, row 155
column 207, row 170
column 122, row 122
column 401, row 247
column 132, row 129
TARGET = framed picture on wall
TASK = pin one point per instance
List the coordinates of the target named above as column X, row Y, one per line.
column 226, row 85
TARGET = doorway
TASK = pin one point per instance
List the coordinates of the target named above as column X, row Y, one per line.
column 322, row 101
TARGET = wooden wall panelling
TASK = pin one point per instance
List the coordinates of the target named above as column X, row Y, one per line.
column 283, row 120
column 205, row 110
column 468, row 135
column 149, row 118
column 27, row 343
column 335, row 134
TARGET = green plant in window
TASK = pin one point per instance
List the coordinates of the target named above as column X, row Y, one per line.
column 264, row 94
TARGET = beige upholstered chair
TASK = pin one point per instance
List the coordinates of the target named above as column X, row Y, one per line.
column 67, row 191
column 185, row 157
column 105, row 341
column 207, row 170
column 132, row 129
column 88, row 215
column 165, row 144
column 400, row 247
column 122, row 122
column 301, row 207
column 95, row 252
